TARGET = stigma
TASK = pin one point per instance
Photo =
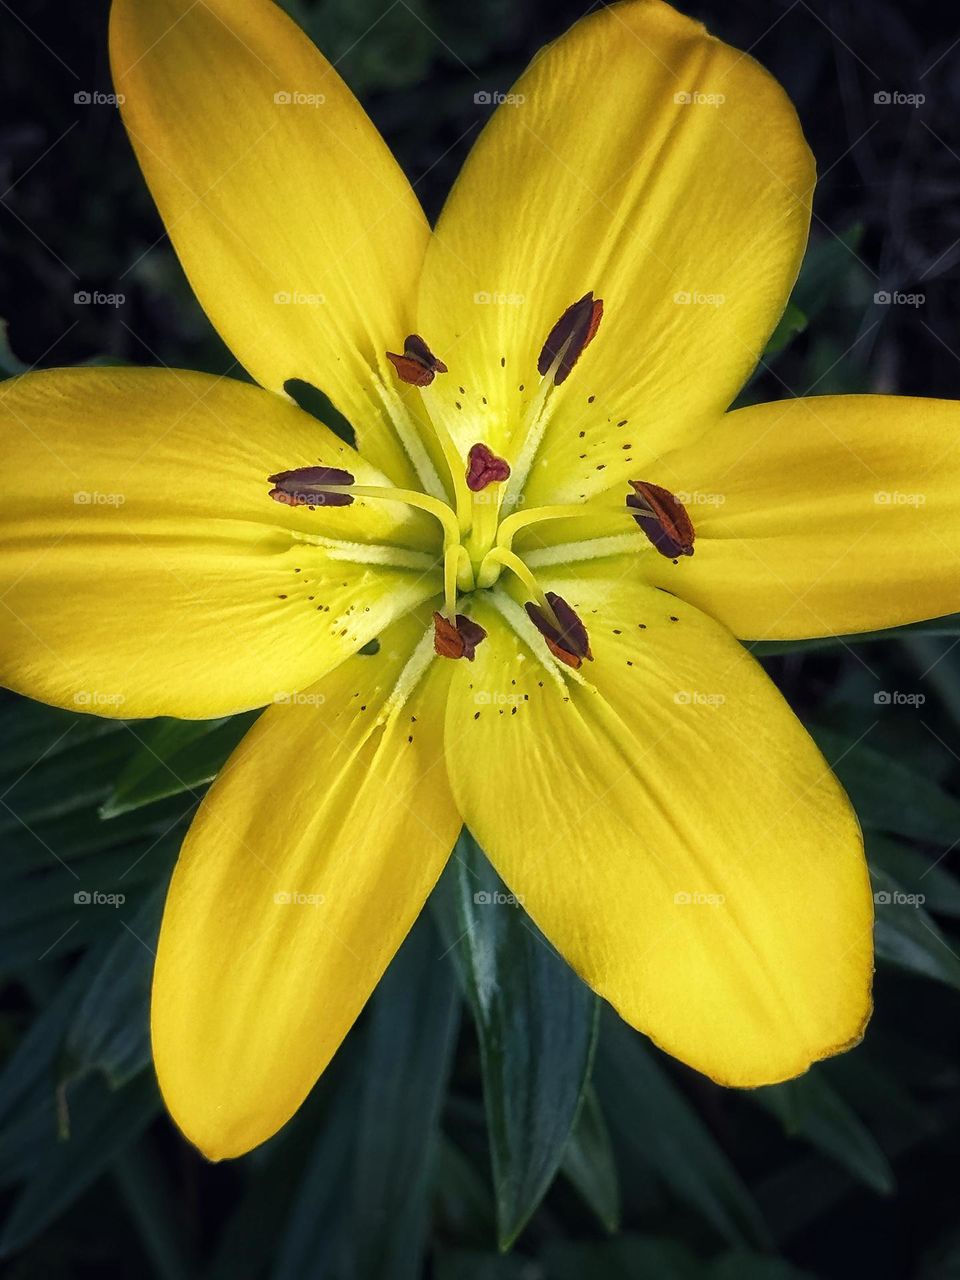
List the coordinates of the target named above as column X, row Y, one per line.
column 485, row 468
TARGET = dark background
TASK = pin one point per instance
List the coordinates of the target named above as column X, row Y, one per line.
column 854, row 1171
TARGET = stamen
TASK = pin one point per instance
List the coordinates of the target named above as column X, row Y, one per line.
column 485, row 468
column 314, row 487
column 565, row 634
column 663, row 518
column 457, row 639
column 511, row 526
column 308, row 487
column 570, row 336
column 418, row 365
column 497, row 557
column 565, row 342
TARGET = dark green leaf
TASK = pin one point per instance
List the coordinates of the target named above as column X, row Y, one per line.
column 660, row 1130
column 920, row 873
column 536, row 1023
column 411, row 1033
column 792, row 322
column 589, row 1164
column 810, row 1108
column 102, row 1124
column 9, row 364
column 887, row 794
column 906, row 936
column 110, row 1031
column 175, row 756
column 946, row 626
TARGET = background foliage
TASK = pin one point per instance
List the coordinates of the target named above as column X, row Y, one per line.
column 484, row 1098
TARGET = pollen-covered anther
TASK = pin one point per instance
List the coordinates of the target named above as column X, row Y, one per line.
column 566, row 637
column 418, row 365
column 485, row 468
column 663, row 518
column 575, row 329
column 459, row 639
column 310, row 487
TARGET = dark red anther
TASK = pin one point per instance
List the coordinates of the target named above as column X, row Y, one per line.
column 418, row 365
column 458, row 640
column 566, row 639
column 308, row 487
column 663, row 518
column 576, row 326
column 484, row 467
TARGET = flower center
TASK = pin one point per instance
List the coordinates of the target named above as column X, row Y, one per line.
column 480, row 525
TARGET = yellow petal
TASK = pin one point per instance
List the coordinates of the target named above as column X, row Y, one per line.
column 304, row 869
column 821, row 516
column 297, row 230
column 672, row 829
column 145, row 571
column 687, row 217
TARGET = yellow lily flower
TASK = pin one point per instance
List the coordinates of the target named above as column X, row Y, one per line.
column 551, row 521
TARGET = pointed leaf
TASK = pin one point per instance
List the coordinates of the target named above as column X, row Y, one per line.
column 175, row 756
column 411, row 1034
column 810, row 1108
column 662, row 1132
column 536, row 1023
column 589, row 1164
